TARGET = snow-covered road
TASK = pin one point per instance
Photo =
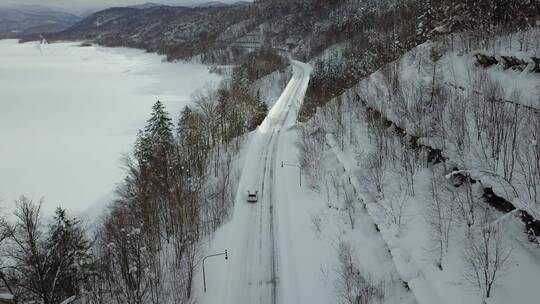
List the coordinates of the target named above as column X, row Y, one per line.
column 257, row 260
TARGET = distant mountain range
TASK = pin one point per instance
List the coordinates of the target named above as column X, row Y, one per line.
column 26, row 20
column 146, row 5
column 189, row 4
column 209, row 31
column 214, row 32
column 18, row 21
column 177, row 31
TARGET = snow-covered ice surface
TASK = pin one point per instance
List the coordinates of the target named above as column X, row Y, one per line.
column 67, row 114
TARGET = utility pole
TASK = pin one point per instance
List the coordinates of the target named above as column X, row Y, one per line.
column 210, row 256
column 294, row 165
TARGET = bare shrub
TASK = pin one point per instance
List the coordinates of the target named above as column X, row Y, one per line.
column 440, row 217
column 350, row 206
column 311, row 153
column 529, row 162
column 352, row 286
column 411, row 162
column 316, row 220
column 374, row 168
column 395, row 208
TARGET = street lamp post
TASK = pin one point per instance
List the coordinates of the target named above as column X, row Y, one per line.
column 210, row 256
column 294, row 165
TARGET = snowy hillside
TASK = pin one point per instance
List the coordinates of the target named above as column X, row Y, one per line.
column 416, row 148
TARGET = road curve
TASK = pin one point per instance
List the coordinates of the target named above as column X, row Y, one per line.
column 253, row 273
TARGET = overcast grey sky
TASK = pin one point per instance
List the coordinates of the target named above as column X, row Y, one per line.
column 81, row 5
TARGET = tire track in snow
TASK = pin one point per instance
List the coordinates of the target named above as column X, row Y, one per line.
column 253, row 275
column 269, row 180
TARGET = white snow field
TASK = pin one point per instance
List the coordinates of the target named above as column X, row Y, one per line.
column 68, row 113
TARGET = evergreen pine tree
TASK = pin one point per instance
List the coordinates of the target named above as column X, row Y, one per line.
column 184, row 124
column 261, row 110
column 143, row 149
column 185, row 133
column 158, row 138
column 159, row 126
column 69, row 259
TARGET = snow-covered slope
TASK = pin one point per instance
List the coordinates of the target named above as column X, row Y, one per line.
column 384, row 152
column 407, row 92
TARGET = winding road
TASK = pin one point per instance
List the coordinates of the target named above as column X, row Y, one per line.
column 254, row 271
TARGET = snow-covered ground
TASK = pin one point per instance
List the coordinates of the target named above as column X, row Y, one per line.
column 67, row 114
column 410, row 246
column 343, row 145
column 457, row 73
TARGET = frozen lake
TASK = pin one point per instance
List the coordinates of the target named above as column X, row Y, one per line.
column 68, row 113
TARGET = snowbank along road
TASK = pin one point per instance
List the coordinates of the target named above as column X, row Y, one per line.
column 256, row 265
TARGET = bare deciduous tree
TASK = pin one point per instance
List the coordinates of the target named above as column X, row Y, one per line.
column 374, row 173
column 440, row 217
column 395, row 207
column 350, row 206
column 487, row 256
